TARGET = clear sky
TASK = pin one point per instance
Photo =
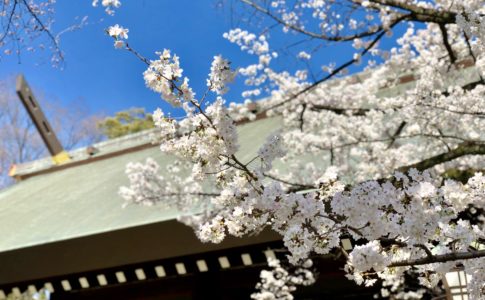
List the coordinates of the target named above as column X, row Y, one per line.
column 109, row 80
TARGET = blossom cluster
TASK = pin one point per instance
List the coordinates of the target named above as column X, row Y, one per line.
column 220, row 75
column 109, row 5
column 161, row 75
column 119, row 34
column 388, row 138
column 279, row 283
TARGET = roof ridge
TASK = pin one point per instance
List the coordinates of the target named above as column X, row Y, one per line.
column 139, row 140
column 95, row 151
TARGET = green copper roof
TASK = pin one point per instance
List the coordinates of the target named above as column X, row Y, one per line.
column 83, row 200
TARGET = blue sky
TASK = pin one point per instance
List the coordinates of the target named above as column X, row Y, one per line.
column 109, row 80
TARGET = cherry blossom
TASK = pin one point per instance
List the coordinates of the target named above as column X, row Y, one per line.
column 109, row 5
column 119, row 34
column 391, row 157
column 279, row 283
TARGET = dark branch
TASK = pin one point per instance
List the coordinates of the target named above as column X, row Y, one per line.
column 397, row 133
column 446, row 43
column 9, row 22
column 340, row 110
column 439, row 258
column 311, row 33
column 301, row 119
column 339, row 69
column 295, row 186
column 466, row 148
column 45, row 29
column 420, row 14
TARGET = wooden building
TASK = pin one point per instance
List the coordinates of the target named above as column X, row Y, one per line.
column 62, row 227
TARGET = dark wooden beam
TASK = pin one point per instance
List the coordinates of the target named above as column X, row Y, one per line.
column 37, row 115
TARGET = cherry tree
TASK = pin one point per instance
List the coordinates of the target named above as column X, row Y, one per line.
column 399, row 170
column 26, row 25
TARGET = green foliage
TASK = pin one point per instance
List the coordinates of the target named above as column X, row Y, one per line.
column 126, row 122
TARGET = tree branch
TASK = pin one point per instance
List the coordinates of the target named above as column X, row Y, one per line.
column 466, row 148
column 310, row 33
column 9, row 22
column 296, row 186
column 339, row 69
column 397, row 133
column 439, row 258
column 419, row 13
column 45, row 29
column 341, row 110
column 446, row 43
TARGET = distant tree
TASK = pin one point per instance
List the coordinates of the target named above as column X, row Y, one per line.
column 125, row 122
